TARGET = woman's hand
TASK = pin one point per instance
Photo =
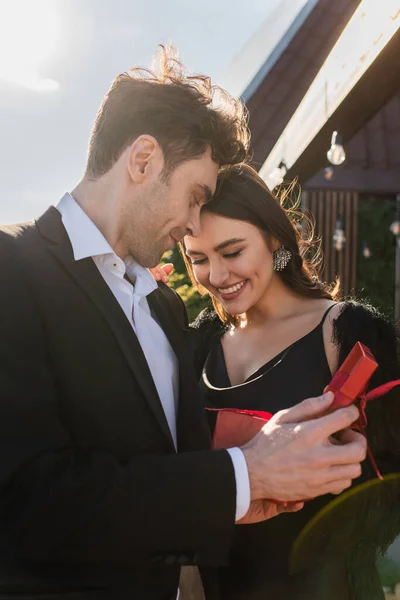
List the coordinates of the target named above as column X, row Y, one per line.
column 261, row 510
column 161, row 272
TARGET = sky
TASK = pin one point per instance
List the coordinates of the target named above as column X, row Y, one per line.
column 57, row 59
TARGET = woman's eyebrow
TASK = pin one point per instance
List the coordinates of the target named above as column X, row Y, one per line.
column 192, row 252
column 220, row 246
column 227, row 243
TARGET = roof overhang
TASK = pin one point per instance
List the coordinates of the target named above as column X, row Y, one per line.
column 360, row 74
column 266, row 46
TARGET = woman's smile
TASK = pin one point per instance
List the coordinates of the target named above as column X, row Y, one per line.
column 233, row 291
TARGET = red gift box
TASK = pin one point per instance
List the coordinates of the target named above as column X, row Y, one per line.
column 351, row 379
column 236, row 427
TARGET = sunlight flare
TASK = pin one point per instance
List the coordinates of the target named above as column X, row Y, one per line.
column 29, row 33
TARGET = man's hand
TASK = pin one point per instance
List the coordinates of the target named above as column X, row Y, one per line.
column 293, row 457
column 261, row 510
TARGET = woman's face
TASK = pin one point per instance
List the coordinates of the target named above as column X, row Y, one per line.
column 231, row 259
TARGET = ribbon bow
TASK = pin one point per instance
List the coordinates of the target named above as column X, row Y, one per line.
column 362, row 422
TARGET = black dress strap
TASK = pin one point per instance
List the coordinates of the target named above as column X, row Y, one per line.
column 328, row 310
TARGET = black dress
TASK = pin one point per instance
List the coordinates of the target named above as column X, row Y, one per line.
column 259, row 565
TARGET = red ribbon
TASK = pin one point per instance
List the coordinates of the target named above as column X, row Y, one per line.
column 252, row 413
column 362, row 422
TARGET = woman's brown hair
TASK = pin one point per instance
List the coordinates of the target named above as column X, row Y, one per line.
column 242, row 194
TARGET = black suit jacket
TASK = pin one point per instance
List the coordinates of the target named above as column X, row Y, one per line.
column 94, row 501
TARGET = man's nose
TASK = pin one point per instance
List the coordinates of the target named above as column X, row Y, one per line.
column 193, row 227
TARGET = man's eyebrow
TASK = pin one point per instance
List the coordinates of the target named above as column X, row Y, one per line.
column 207, row 192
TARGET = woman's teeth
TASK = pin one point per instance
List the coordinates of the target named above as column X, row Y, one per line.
column 231, row 290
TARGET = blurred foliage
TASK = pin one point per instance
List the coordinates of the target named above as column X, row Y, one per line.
column 180, row 282
column 389, row 571
column 376, row 274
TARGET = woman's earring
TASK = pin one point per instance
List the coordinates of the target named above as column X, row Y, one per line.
column 282, row 257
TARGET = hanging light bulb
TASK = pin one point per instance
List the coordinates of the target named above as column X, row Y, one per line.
column 339, row 238
column 336, row 154
column 328, row 173
column 395, row 227
column 276, row 176
column 366, row 250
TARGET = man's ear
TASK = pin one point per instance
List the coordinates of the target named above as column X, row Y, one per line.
column 144, row 158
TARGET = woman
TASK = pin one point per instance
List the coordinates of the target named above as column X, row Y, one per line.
column 277, row 334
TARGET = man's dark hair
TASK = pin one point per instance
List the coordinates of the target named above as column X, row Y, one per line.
column 185, row 113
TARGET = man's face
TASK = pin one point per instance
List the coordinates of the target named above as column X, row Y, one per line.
column 170, row 209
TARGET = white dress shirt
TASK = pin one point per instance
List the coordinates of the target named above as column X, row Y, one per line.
column 88, row 241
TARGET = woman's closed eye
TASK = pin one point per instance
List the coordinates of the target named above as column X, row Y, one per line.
column 233, row 254
column 230, row 255
column 199, row 261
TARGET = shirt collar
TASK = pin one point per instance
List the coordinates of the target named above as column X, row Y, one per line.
column 86, row 239
column 144, row 280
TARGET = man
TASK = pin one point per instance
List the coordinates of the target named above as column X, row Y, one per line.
column 107, row 486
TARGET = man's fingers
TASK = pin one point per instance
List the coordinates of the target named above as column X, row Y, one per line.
column 336, row 487
column 290, row 507
column 348, row 436
column 350, row 453
column 338, row 472
column 311, row 408
column 336, row 421
column 315, row 408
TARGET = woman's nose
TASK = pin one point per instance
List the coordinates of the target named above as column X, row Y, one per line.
column 218, row 275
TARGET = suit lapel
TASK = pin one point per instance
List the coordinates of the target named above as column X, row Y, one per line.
column 87, row 276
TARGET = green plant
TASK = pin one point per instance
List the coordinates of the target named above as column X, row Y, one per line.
column 375, row 275
column 389, row 571
column 180, row 282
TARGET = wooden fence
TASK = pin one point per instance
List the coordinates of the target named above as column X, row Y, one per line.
column 327, row 206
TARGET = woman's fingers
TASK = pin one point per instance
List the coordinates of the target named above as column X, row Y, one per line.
column 168, row 268
column 161, row 272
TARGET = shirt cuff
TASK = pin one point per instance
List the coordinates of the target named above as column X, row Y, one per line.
column 242, row 482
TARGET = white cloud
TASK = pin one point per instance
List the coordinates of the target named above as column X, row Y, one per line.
column 31, row 81
column 29, row 33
